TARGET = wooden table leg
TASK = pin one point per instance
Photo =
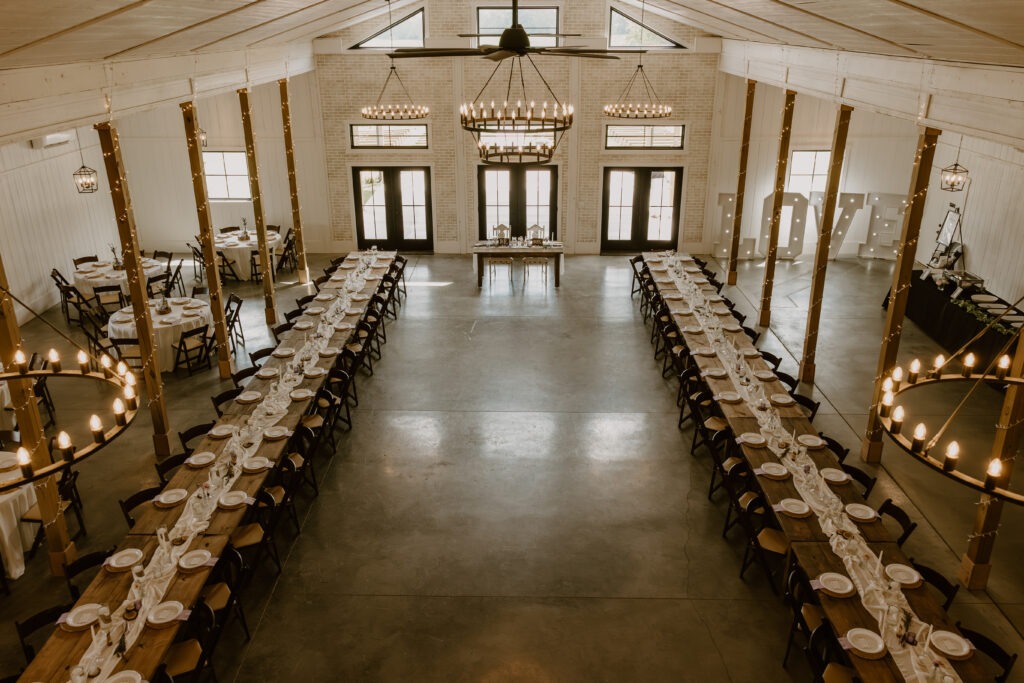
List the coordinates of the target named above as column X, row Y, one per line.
column 558, row 270
column 479, row 270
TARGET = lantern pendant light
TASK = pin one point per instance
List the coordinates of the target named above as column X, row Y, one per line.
column 953, row 178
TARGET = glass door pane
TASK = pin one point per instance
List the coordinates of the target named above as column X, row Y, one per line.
column 375, row 210
column 538, row 199
column 620, row 205
column 661, row 206
column 414, row 204
column 497, row 196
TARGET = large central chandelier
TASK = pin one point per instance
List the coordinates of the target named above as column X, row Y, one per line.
column 520, row 132
column 403, row 108
column 644, row 104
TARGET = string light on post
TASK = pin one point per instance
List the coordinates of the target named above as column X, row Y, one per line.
column 402, row 109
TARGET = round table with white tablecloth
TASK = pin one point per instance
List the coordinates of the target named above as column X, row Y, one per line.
column 15, row 537
column 186, row 314
column 102, row 273
column 238, row 249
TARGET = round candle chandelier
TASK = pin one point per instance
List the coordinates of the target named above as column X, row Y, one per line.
column 403, row 108
column 893, row 416
column 644, row 104
column 64, row 453
column 519, row 132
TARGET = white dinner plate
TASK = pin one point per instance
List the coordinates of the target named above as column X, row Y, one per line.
column 303, row 325
column 705, row 351
column 164, row 614
column 125, row 677
column 276, row 433
column 836, row 585
column 314, row 373
column 693, row 270
column 353, row 311
column 774, row 470
column 372, row 278
column 202, row 459
column 751, row 353
column 716, row 373
column 82, row 616
column 344, row 326
column 249, row 397
column 170, row 498
column 222, row 431
column 794, row 507
column 232, row 499
column 124, row 560
column 180, row 301
column 732, row 328
column 301, row 394
column 782, row 399
column 904, row 575
column 8, row 461
column 659, row 269
column 865, row 643
column 752, row 439
column 729, row 397
column 984, row 298
column 347, row 266
column 283, row 352
column 810, row 440
column 765, row 375
column 191, row 314
column 267, row 373
column 329, row 351
column 834, row 476
column 314, row 310
column 672, row 297
column 324, row 296
column 194, row 559
column 859, row 512
column 953, row 645
column 1015, row 318
column 693, row 329
column 195, row 305
column 256, row 464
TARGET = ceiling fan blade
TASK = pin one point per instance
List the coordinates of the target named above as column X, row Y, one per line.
column 587, row 55
column 412, row 52
column 544, row 35
column 580, row 48
column 498, row 55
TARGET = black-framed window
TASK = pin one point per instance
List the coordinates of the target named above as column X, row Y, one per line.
column 388, row 135
column 644, row 136
column 626, row 32
column 641, row 208
column 519, row 197
column 393, row 209
column 536, row 20
column 406, row 32
column 227, row 176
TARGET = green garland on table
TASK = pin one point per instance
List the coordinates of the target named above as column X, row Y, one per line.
column 983, row 316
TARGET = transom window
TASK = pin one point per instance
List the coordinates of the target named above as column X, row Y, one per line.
column 378, row 136
column 407, row 32
column 494, row 20
column 227, row 175
column 648, row 137
column 808, row 171
column 628, row 32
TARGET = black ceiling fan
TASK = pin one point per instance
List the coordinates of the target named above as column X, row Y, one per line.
column 514, row 42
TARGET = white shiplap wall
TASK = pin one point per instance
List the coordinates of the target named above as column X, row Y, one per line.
column 44, row 222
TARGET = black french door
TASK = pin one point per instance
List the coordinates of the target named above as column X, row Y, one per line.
column 518, row 197
column 393, row 208
column 641, row 208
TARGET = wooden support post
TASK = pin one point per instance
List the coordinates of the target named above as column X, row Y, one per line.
column 60, row 547
column 293, row 185
column 765, row 317
column 266, row 268
column 125, row 218
column 828, row 212
column 741, row 183
column 976, row 564
column 871, row 448
column 195, row 158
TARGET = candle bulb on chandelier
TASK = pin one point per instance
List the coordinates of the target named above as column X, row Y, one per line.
column 130, row 398
column 54, row 359
column 897, row 378
column 1002, row 366
column 940, row 360
column 96, row 427
column 886, row 409
column 119, row 417
column 105, row 363
column 968, row 368
column 897, row 420
column 887, row 385
column 915, row 369
column 25, row 462
column 993, row 473
column 952, row 457
column 83, row 362
column 65, row 447
column 20, row 361
column 920, row 432
column 122, row 369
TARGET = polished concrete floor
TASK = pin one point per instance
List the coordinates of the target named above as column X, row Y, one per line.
column 515, row 502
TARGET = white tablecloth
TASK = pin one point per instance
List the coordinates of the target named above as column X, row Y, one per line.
column 15, row 537
column 101, row 274
column 239, row 250
column 186, row 314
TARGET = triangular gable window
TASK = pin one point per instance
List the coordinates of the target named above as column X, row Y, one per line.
column 628, row 32
column 406, row 32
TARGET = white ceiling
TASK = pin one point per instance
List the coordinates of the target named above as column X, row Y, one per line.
column 66, row 31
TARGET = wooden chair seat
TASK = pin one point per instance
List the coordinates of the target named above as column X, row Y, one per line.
column 312, row 421
column 217, row 596
column 183, row 657
column 277, row 493
column 731, row 462
column 354, row 347
column 246, row 536
column 837, row 673
column 715, row 424
column 746, row 499
column 812, row 615
column 773, row 541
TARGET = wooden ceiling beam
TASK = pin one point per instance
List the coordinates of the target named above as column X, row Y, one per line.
column 822, row 17
column 361, row 15
column 953, row 22
column 266, row 23
column 762, row 20
column 703, row 24
column 71, row 29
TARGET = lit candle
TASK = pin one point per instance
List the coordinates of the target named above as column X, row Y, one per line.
column 119, row 418
column 897, row 420
column 54, row 359
column 940, row 360
column 66, row 448
column 968, row 368
column 886, row 409
column 897, row 377
column 917, row 445
column 1003, row 366
column 20, row 361
column 130, row 399
column 106, row 362
column 25, row 461
column 83, row 362
column 952, row 457
column 993, row 473
column 915, row 368
column 96, row 427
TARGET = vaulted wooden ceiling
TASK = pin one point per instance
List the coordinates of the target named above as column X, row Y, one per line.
column 66, row 31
